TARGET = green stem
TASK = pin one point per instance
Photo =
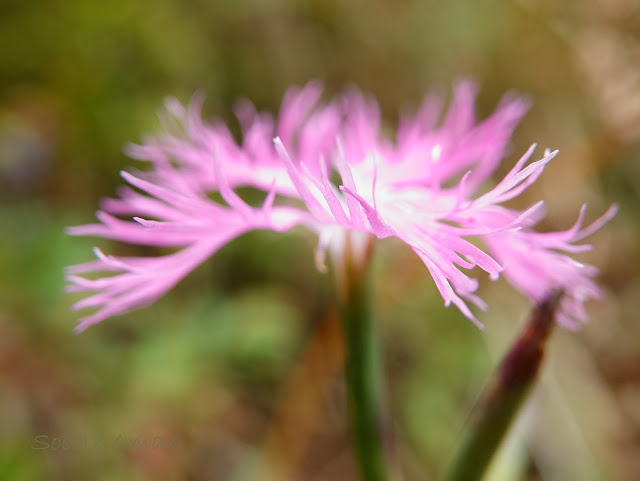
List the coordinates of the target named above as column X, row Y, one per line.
column 363, row 370
column 506, row 393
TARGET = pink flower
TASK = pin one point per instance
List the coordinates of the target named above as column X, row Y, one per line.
column 419, row 189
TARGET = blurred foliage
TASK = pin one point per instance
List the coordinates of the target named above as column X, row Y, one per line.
column 206, row 367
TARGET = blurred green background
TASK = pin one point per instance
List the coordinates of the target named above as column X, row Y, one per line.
column 236, row 374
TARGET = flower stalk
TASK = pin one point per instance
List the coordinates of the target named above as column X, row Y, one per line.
column 506, row 393
column 363, row 364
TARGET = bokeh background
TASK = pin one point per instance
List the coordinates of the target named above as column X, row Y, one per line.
column 237, row 373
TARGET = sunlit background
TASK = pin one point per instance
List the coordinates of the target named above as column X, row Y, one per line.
column 237, row 373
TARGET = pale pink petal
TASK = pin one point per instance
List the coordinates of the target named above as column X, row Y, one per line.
column 420, row 187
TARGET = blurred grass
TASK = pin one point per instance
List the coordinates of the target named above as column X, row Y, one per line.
column 207, row 364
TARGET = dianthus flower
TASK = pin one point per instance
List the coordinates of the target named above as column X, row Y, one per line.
column 421, row 188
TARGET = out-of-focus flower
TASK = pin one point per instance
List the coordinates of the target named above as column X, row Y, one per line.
column 419, row 189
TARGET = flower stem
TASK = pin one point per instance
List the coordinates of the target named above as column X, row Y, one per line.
column 506, row 393
column 363, row 366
